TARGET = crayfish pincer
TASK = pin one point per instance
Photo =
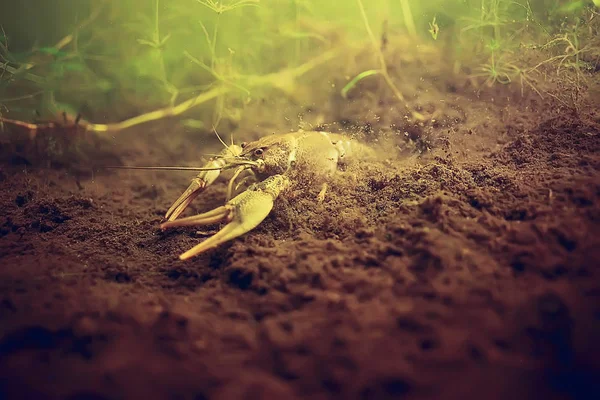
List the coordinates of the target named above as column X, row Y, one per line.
column 266, row 168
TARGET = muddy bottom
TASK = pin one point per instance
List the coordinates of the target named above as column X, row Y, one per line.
column 463, row 264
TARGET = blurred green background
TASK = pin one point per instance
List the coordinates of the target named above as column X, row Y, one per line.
column 114, row 59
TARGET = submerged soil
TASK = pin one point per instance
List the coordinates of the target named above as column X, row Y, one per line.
column 464, row 263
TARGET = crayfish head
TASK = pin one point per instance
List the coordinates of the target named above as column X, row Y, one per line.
column 273, row 154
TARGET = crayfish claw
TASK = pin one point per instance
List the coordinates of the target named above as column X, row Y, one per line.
column 185, row 199
column 244, row 213
column 202, row 180
column 211, row 217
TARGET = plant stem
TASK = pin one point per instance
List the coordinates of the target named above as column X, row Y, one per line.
column 27, row 75
column 408, row 18
column 161, row 60
column 383, row 64
column 214, row 42
column 160, row 113
column 273, row 80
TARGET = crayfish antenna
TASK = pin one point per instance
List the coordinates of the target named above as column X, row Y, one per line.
column 220, row 140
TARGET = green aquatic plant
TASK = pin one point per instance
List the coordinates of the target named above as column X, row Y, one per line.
column 568, row 60
column 496, row 71
column 503, row 71
column 434, row 28
column 219, row 66
column 220, row 7
column 47, row 72
column 160, row 59
column 516, row 45
column 408, row 18
column 354, row 81
column 157, row 43
column 383, row 65
column 283, row 80
column 150, row 72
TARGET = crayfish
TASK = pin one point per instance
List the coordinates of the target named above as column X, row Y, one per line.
column 268, row 167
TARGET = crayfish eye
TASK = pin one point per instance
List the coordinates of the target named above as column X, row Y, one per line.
column 258, row 152
column 244, row 144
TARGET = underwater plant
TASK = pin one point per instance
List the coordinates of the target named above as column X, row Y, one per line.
column 157, row 72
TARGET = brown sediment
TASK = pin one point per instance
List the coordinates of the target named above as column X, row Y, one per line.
column 463, row 264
